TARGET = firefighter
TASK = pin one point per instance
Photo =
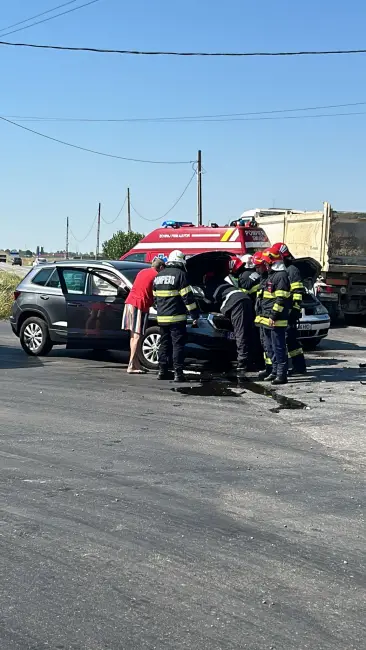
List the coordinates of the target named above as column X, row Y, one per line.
column 237, row 306
column 262, row 270
column 248, row 277
column 295, row 351
column 275, row 303
column 174, row 298
column 248, row 280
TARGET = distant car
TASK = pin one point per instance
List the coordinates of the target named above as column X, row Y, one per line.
column 17, row 261
column 39, row 260
column 80, row 304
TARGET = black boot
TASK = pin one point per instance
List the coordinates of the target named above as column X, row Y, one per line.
column 241, row 374
column 294, row 371
column 163, row 373
column 263, row 374
column 279, row 381
column 270, row 377
column 178, row 375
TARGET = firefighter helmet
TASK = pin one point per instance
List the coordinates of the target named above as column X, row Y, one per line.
column 280, row 249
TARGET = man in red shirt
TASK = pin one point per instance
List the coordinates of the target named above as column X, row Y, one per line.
column 136, row 310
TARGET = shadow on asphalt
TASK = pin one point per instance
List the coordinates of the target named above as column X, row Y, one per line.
column 338, row 345
column 335, row 375
column 11, row 357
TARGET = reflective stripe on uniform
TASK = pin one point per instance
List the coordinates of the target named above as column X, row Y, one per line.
column 262, row 320
column 296, row 285
column 254, row 289
column 166, row 320
column 297, row 296
column 231, row 293
column 281, row 294
column 192, row 306
column 277, row 307
column 296, row 353
column 169, row 293
column 296, row 307
column 184, row 291
column 267, row 360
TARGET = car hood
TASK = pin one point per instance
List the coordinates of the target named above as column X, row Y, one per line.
column 199, row 265
column 309, row 268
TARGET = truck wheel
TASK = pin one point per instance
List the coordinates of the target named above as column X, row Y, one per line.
column 35, row 338
column 148, row 349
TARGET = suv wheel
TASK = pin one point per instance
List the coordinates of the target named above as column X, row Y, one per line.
column 148, row 350
column 34, row 337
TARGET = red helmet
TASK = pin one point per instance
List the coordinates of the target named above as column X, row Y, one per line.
column 258, row 258
column 235, row 265
column 280, row 249
column 269, row 257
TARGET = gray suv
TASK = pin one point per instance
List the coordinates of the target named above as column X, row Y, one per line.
column 80, row 304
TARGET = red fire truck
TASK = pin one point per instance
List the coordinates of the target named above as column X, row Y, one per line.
column 239, row 238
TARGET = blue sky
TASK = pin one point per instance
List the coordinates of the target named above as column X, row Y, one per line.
column 292, row 163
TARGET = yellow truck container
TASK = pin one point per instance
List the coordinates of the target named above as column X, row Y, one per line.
column 335, row 239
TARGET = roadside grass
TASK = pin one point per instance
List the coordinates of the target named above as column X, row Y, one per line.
column 8, row 284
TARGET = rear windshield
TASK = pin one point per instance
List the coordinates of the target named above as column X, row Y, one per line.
column 130, row 274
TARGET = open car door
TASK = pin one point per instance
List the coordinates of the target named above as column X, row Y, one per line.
column 95, row 300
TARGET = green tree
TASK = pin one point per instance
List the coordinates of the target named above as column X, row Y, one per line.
column 120, row 243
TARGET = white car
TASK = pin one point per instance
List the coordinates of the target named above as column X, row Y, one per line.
column 39, row 260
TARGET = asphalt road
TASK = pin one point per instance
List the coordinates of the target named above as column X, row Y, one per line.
column 133, row 517
column 19, row 270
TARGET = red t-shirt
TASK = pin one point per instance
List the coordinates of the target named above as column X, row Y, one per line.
column 141, row 294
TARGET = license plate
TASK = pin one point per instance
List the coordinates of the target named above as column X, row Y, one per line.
column 230, row 336
column 304, row 326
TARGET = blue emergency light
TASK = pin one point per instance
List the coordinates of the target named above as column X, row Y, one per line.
column 176, row 224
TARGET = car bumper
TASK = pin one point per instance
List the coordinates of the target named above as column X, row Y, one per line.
column 314, row 327
column 13, row 325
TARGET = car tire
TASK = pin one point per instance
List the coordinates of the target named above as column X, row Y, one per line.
column 148, row 348
column 35, row 338
column 312, row 344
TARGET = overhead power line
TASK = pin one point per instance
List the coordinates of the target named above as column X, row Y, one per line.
column 117, row 217
column 80, row 241
column 188, row 54
column 26, row 20
column 45, row 20
column 98, row 153
column 222, row 117
column 173, row 206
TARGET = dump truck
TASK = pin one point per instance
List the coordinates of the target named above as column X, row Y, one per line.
column 337, row 240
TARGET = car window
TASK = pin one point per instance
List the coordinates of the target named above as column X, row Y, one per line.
column 103, row 283
column 54, row 280
column 74, row 280
column 130, row 274
column 135, row 257
column 42, row 277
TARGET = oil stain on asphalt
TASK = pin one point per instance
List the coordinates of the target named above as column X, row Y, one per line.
column 217, row 388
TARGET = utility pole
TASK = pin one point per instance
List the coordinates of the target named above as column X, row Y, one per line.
column 67, row 238
column 199, row 188
column 128, row 211
column 98, row 234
